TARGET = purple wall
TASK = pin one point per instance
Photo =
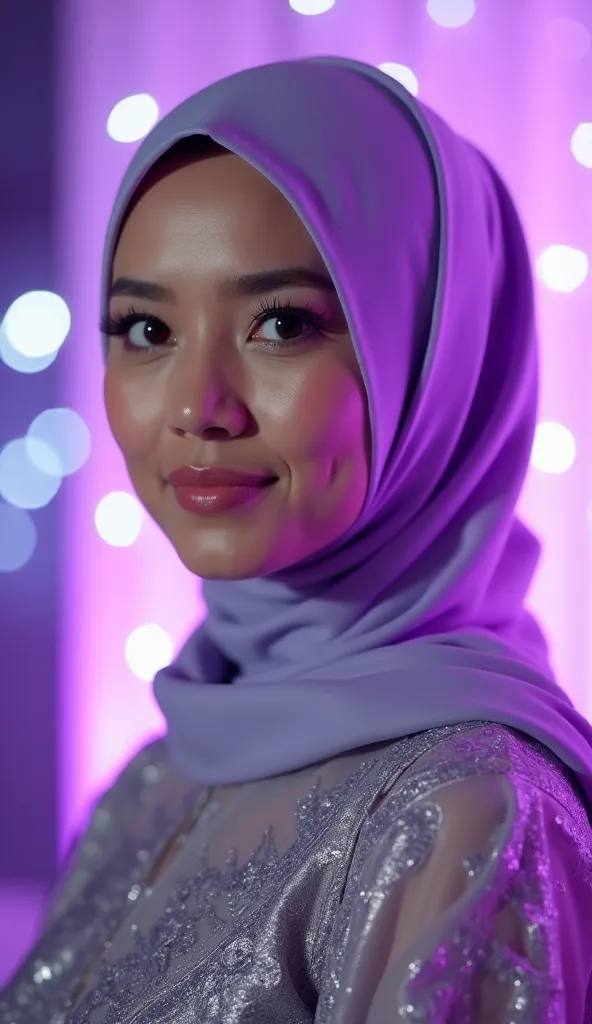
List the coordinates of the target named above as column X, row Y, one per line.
column 29, row 597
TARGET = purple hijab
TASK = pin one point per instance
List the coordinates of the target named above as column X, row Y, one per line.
column 415, row 618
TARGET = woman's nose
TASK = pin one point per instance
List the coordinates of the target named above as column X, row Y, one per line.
column 203, row 400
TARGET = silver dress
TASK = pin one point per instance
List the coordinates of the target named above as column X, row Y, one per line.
column 446, row 876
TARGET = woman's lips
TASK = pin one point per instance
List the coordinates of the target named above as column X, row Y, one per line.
column 209, row 490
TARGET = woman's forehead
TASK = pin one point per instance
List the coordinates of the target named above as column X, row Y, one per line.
column 223, row 208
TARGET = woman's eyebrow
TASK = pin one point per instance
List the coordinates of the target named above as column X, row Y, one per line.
column 259, row 283
column 142, row 290
column 263, row 282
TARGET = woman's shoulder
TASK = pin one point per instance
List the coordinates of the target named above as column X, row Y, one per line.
column 469, row 880
column 131, row 785
column 454, row 754
column 469, row 786
column 108, row 818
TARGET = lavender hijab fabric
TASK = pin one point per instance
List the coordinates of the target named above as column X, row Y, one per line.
column 414, row 618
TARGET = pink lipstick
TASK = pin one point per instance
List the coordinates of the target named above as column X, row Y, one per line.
column 211, row 489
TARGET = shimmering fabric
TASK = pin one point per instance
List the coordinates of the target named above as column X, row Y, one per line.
column 443, row 877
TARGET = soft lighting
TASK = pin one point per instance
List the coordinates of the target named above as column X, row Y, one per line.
column 401, row 73
column 21, row 483
column 311, row 6
column 554, row 448
column 37, row 324
column 119, row 518
column 451, row 13
column 132, row 118
column 67, row 437
column 581, row 144
column 148, row 649
column 18, row 538
column 562, row 268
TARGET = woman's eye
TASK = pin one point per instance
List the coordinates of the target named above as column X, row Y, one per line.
column 284, row 327
column 148, row 334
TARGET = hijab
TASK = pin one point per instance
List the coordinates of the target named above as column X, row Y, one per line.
column 415, row 617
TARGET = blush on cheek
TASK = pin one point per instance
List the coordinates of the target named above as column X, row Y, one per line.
column 340, row 426
column 329, row 455
column 350, row 466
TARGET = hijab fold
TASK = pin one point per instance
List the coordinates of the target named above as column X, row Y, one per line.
column 415, row 618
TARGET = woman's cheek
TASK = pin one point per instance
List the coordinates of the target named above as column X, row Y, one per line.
column 136, row 415
column 328, row 417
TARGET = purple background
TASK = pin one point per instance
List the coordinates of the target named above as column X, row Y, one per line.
column 514, row 79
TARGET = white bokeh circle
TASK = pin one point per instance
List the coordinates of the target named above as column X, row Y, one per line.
column 132, row 118
column 148, row 648
column 119, row 518
column 554, row 448
column 562, row 268
column 401, row 73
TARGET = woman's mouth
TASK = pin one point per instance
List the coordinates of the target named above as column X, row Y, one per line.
column 211, row 490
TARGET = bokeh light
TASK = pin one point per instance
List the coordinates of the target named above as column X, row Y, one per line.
column 311, row 6
column 18, row 538
column 37, row 324
column 17, row 361
column 21, row 482
column 581, row 144
column 402, row 74
column 567, row 38
column 148, row 649
column 554, row 448
column 67, row 438
column 562, row 268
column 43, row 457
column 132, row 118
column 451, row 13
column 119, row 518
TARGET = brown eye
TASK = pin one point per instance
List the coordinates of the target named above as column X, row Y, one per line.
column 147, row 333
column 282, row 325
column 287, row 327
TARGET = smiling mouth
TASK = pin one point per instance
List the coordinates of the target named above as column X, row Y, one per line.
column 209, row 499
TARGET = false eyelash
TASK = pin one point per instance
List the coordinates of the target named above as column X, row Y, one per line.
column 120, row 324
column 269, row 308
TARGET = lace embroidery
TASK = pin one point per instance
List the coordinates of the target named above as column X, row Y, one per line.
column 513, row 871
column 109, row 870
column 516, row 875
column 205, row 905
column 269, row 935
column 92, row 903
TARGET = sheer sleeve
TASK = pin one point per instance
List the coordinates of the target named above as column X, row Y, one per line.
column 469, row 898
column 101, row 833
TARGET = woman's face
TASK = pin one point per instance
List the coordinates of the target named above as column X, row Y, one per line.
column 229, row 351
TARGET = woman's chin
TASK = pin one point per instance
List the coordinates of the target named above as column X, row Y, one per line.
column 240, row 554
column 223, row 564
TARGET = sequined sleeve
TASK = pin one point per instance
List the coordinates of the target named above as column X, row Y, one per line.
column 469, row 898
column 101, row 833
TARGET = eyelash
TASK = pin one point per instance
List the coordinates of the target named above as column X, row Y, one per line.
column 120, row 324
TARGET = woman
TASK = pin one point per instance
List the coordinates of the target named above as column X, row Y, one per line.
column 372, row 804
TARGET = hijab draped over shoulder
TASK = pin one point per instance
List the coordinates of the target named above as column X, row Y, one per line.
column 415, row 618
